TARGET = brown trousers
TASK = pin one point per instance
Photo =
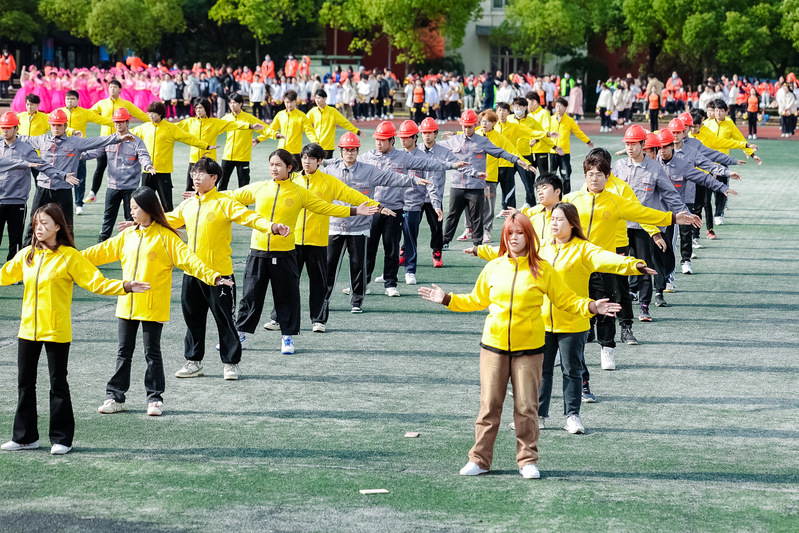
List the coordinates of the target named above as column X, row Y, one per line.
column 524, row 373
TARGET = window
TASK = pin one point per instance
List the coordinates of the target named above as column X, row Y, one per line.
column 499, row 4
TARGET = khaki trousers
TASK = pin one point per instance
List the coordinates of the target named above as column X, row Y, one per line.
column 524, row 373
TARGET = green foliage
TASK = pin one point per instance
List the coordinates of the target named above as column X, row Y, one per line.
column 18, row 21
column 266, row 19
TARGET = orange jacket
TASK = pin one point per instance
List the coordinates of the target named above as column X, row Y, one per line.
column 7, row 67
column 753, row 104
column 654, row 101
column 290, row 70
column 268, row 69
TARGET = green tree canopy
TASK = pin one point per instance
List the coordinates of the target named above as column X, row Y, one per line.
column 19, row 22
column 264, row 18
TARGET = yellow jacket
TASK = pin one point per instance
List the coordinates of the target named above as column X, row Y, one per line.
column 537, row 132
column 47, row 298
column 159, row 138
column 33, row 125
column 281, row 202
column 621, row 188
column 514, row 299
column 78, row 117
column 727, row 130
column 324, row 122
column 492, row 163
column 207, row 219
column 575, row 261
column 312, row 228
column 517, row 135
column 106, row 108
column 148, row 254
column 291, row 126
column 711, row 139
column 600, row 214
column 207, row 130
column 541, row 219
column 565, row 126
column 238, row 146
column 544, row 118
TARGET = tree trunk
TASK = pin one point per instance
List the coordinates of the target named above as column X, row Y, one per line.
column 654, row 52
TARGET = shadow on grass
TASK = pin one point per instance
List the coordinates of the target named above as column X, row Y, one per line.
column 720, row 368
column 296, row 414
column 43, row 521
column 727, row 431
column 370, row 378
column 699, row 477
column 192, row 454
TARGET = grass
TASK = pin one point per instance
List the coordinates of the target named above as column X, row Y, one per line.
column 696, row 431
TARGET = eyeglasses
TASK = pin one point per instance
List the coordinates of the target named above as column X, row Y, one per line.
column 199, row 176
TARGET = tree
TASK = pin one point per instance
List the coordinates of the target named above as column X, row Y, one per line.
column 264, row 18
column 19, row 22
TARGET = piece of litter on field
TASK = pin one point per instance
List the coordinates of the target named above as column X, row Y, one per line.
column 373, row 491
column 411, row 434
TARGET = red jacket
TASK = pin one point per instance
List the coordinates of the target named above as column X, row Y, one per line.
column 7, row 67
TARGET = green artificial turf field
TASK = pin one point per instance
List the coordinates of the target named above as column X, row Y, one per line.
column 696, row 431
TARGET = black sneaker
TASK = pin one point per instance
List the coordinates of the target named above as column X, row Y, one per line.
column 587, row 396
column 644, row 315
column 659, row 300
column 627, row 336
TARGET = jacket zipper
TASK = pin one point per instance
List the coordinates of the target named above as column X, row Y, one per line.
column 272, row 217
column 135, row 269
column 305, row 211
column 510, row 308
column 591, row 220
column 551, row 317
column 197, row 221
column 36, row 299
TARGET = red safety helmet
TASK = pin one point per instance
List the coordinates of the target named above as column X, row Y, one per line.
column 385, row 130
column 408, row 129
column 652, row 141
column 428, row 125
column 57, row 117
column 349, row 140
column 634, row 134
column 666, row 137
column 687, row 119
column 121, row 115
column 468, row 118
column 9, row 120
column 676, row 125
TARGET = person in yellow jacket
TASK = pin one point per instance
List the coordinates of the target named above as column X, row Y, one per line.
column 288, row 126
column 311, row 231
column 521, row 137
column 513, row 287
column 77, row 118
column 207, row 128
column 49, row 267
column 324, row 119
column 238, row 145
column 33, row 122
column 538, row 136
column 106, row 108
column 148, row 251
column 273, row 257
column 540, row 150
column 560, row 156
column 159, row 137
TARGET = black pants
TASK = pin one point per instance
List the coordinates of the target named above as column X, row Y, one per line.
column 189, row 181
column 13, row 215
column 470, row 200
column 571, row 346
column 686, row 233
column 752, row 119
column 154, row 380
column 541, row 163
column 355, row 246
column 701, row 205
column 625, row 316
column 62, row 420
column 664, row 261
column 196, row 299
column 4, row 85
column 653, row 119
column 242, row 172
column 315, row 259
column 643, row 248
column 61, row 197
column 418, row 116
column 281, row 269
column 161, row 183
column 721, row 198
column 562, row 165
column 436, row 227
column 506, row 176
column 603, row 286
column 528, row 181
column 97, row 179
column 389, row 230
column 258, row 110
column 113, row 199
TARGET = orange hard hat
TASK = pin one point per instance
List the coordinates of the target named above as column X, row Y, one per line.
column 468, row 118
column 408, row 129
column 652, row 141
column 57, row 117
column 9, row 120
column 635, row 133
column 666, row 137
column 349, row 140
column 121, row 115
column 385, row 130
column 428, row 125
column 686, row 119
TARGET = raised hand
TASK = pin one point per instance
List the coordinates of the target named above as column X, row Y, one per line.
column 606, row 307
column 435, row 294
column 365, row 209
column 258, row 127
column 641, row 266
column 685, row 219
column 735, row 176
column 127, row 137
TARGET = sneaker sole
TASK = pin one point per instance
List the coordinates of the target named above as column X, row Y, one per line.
column 640, row 319
column 194, row 375
column 588, row 400
column 231, row 378
column 576, row 431
column 631, row 343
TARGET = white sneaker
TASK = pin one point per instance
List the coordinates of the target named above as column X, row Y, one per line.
column 696, row 244
column 79, row 210
column 486, row 238
column 379, row 279
column 242, row 340
column 754, row 136
column 392, row 291
column 686, row 268
column 670, row 287
column 231, row 372
column 410, row 279
column 530, row 472
column 718, row 221
column 512, row 425
column 60, row 449
column 574, row 425
column 542, row 422
column 192, row 369
column 111, row 406
column 91, row 197
column 356, row 310
column 287, row 345
column 272, row 325
column 155, row 408
column 473, row 469
column 606, row 359
column 465, row 236
column 318, row 327
column 12, row 446
column 347, row 290
column 693, row 255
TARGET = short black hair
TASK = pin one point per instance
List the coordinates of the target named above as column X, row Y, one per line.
column 157, row 107
column 598, row 162
column 321, row 92
column 562, row 101
column 236, row 97
column 711, row 104
column 208, row 166
column 600, row 152
column 313, row 150
column 698, row 116
column 115, row 82
column 520, row 101
column 503, row 105
column 204, row 103
column 291, row 96
column 72, row 93
column 532, row 95
column 721, row 104
column 550, row 178
column 33, row 99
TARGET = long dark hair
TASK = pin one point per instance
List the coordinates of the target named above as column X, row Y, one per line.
column 63, row 236
column 572, row 217
column 148, row 202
